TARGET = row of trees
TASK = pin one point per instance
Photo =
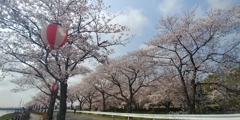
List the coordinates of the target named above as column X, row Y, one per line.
column 121, row 88
column 168, row 70
column 175, row 62
column 22, row 50
column 194, row 47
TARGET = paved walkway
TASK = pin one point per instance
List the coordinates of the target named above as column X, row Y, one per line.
column 71, row 116
column 35, row 117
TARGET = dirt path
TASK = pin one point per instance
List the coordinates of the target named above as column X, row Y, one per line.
column 71, row 116
column 35, row 117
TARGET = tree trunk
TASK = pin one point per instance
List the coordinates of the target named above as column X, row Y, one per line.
column 167, row 105
column 72, row 105
column 192, row 107
column 104, row 102
column 188, row 100
column 80, row 104
column 52, row 105
column 63, row 103
column 129, row 109
column 90, row 106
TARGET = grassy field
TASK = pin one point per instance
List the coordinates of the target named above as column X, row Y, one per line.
column 107, row 117
column 7, row 116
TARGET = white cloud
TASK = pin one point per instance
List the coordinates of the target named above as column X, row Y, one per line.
column 170, row 7
column 134, row 19
column 143, row 46
column 12, row 99
column 223, row 4
column 137, row 22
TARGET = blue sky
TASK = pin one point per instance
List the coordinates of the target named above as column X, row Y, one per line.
column 141, row 16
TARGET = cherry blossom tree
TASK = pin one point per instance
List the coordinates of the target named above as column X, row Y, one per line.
column 196, row 46
column 142, row 99
column 100, row 84
column 41, row 100
column 30, row 105
column 127, row 75
column 166, row 90
column 25, row 53
column 89, row 94
column 71, row 96
column 79, row 95
column 43, row 84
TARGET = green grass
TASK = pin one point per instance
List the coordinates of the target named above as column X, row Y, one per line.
column 165, row 107
column 7, row 116
column 108, row 117
column 213, row 105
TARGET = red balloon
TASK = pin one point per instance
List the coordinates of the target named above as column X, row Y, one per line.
column 54, row 87
column 54, row 36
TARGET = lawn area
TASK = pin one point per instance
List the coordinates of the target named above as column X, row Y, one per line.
column 7, row 116
column 107, row 117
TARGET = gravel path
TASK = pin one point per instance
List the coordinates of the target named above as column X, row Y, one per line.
column 35, row 117
column 71, row 116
